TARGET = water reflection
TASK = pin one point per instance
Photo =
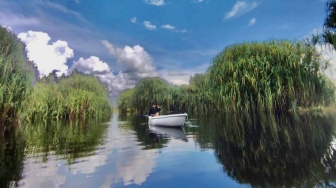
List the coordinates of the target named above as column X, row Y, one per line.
column 12, row 148
column 52, row 145
column 130, row 162
column 258, row 151
column 140, row 127
column 274, row 152
column 103, row 155
column 67, row 140
column 173, row 132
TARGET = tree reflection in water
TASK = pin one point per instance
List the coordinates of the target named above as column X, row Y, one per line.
column 12, row 147
column 279, row 151
column 139, row 125
column 68, row 140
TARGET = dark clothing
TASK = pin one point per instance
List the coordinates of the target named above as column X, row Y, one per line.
column 154, row 110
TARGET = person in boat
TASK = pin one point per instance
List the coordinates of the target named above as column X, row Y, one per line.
column 154, row 110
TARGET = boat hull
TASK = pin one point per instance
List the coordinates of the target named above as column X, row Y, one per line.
column 173, row 120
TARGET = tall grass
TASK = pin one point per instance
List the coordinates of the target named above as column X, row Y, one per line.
column 194, row 98
column 149, row 90
column 76, row 96
column 16, row 76
column 124, row 101
column 199, row 96
column 273, row 76
column 269, row 77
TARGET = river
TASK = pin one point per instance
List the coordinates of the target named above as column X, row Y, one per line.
column 208, row 152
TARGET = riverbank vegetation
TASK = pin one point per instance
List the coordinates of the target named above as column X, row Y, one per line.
column 76, row 96
column 16, row 76
column 272, row 76
column 123, row 101
column 264, row 77
column 23, row 95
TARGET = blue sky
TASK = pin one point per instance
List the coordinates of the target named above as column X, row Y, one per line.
column 123, row 41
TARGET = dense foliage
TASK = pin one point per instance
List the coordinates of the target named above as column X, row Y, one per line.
column 147, row 91
column 273, row 76
column 194, row 98
column 16, row 76
column 329, row 34
column 200, row 97
column 71, row 97
column 124, row 102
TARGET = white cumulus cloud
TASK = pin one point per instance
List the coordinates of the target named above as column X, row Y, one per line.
column 155, row 2
column 47, row 57
column 149, row 25
column 135, row 62
column 252, row 21
column 169, row 27
column 91, row 65
column 240, row 8
column 94, row 66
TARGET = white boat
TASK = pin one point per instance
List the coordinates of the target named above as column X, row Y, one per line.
column 172, row 120
column 173, row 132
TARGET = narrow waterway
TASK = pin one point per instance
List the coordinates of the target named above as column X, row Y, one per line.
column 207, row 152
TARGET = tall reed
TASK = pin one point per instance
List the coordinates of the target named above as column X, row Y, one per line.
column 199, row 96
column 16, row 76
column 149, row 90
column 195, row 98
column 125, row 101
column 76, row 96
column 268, row 77
column 273, row 76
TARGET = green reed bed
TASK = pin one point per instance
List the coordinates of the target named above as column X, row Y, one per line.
column 195, row 98
column 273, row 76
column 16, row 76
column 76, row 96
column 199, row 95
column 124, row 101
column 149, row 90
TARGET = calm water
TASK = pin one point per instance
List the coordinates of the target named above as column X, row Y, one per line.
column 207, row 152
